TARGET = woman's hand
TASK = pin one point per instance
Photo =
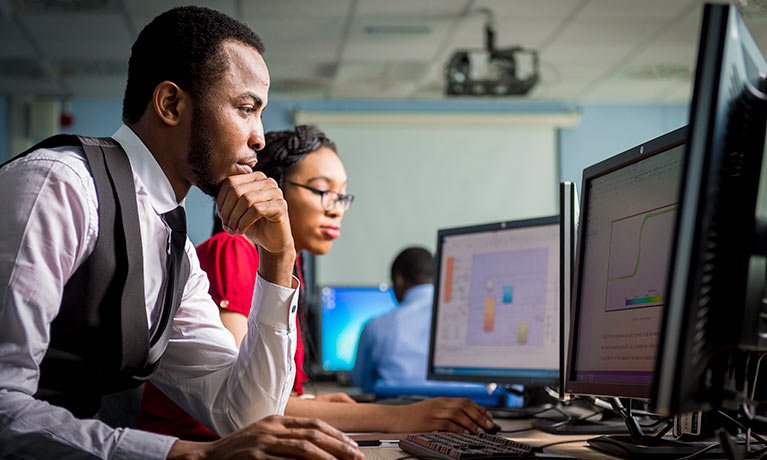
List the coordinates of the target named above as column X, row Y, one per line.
column 459, row 415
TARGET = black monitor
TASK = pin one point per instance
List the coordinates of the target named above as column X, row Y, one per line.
column 714, row 320
column 628, row 208
column 496, row 307
column 568, row 234
column 344, row 312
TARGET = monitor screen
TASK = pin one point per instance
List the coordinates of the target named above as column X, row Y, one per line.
column 629, row 207
column 496, row 303
column 345, row 310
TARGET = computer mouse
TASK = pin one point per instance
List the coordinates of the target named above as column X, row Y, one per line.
column 495, row 429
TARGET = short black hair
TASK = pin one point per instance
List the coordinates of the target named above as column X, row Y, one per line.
column 182, row 45
column 415, row 265
column 284, row 149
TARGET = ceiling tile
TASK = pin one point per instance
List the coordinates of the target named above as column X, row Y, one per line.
column 470, row 33
column 411, row 8
column 152, row 8
column 633, row 11
column 585, row 33
column 297, row 29
column 526, row 9
column 296, row 8
column 280, row 68
column 65, row 48
column 93, row 26
column 361, row 45
column 314, row 51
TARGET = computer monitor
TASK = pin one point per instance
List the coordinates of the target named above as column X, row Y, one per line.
column 624, row 244
column 568, row 233
column 344, row 312
column 715, row 313
column 496, row 303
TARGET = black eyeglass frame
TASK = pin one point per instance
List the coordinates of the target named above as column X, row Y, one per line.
column 346, row 199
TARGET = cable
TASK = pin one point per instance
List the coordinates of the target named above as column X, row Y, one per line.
column 743, row 427
column 702, row 451
column 756, row 375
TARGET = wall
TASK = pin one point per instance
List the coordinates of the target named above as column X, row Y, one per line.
column 603, row 131
column 606, row 130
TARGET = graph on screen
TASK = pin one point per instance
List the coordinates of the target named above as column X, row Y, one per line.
column 507, row 300
column 639, row 250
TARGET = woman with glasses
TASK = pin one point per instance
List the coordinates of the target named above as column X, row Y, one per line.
column 305, row 165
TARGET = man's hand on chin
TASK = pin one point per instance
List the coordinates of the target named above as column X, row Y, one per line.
column 252, row 205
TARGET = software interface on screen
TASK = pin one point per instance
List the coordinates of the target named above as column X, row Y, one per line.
column 627, row 245
column 345, row 310
column 498, row 305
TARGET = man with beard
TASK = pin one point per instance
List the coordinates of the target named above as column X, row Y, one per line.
column 100, row 289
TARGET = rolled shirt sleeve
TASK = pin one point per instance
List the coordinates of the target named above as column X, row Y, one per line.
column 203, row 371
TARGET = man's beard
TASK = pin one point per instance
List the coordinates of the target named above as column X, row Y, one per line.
column 201, row 154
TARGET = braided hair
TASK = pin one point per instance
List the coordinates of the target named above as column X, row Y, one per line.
column 285, row 149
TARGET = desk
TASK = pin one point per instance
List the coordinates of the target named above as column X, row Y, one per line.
column 532, row 437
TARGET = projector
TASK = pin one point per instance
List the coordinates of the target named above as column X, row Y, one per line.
column 491, row 71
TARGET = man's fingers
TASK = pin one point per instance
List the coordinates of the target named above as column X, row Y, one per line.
column 319, row 425
column 299, row 448
column 254, row 204
column 235, row 187
column 313, row 440
column 273, row 211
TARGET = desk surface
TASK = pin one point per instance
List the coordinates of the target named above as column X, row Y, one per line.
column 533, row 437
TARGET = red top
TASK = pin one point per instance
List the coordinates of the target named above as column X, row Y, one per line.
column 231, row 263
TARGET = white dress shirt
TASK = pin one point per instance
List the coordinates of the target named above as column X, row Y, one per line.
column 49, row 203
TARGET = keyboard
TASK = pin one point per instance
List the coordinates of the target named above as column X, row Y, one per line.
column 459, row 446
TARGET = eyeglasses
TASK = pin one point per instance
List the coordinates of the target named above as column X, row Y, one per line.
column 328, row 198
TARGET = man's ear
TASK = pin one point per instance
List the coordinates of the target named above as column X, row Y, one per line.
column 169, row 102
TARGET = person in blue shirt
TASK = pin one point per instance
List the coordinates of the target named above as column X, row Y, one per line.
column 394, row 348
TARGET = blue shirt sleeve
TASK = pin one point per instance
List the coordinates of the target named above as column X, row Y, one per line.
column 364, row 374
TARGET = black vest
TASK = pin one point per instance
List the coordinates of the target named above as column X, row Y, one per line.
column 100, row 339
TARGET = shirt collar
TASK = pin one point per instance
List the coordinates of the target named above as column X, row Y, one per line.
column 144, row 165
column 419, row 292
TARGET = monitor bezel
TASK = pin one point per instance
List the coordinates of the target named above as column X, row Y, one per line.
column 674, row 387
column 496, row 226
column 633, row 155
column 568, row 237
column 320, row 320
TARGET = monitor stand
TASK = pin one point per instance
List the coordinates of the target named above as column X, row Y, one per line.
column 579, row 417
column 638, row 445
column 536, row 403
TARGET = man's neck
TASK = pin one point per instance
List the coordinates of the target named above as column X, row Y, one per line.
column 163, row 153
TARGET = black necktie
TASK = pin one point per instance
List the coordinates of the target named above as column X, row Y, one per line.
column 176, row 220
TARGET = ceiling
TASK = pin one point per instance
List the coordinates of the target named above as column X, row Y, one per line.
column 615, row 51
